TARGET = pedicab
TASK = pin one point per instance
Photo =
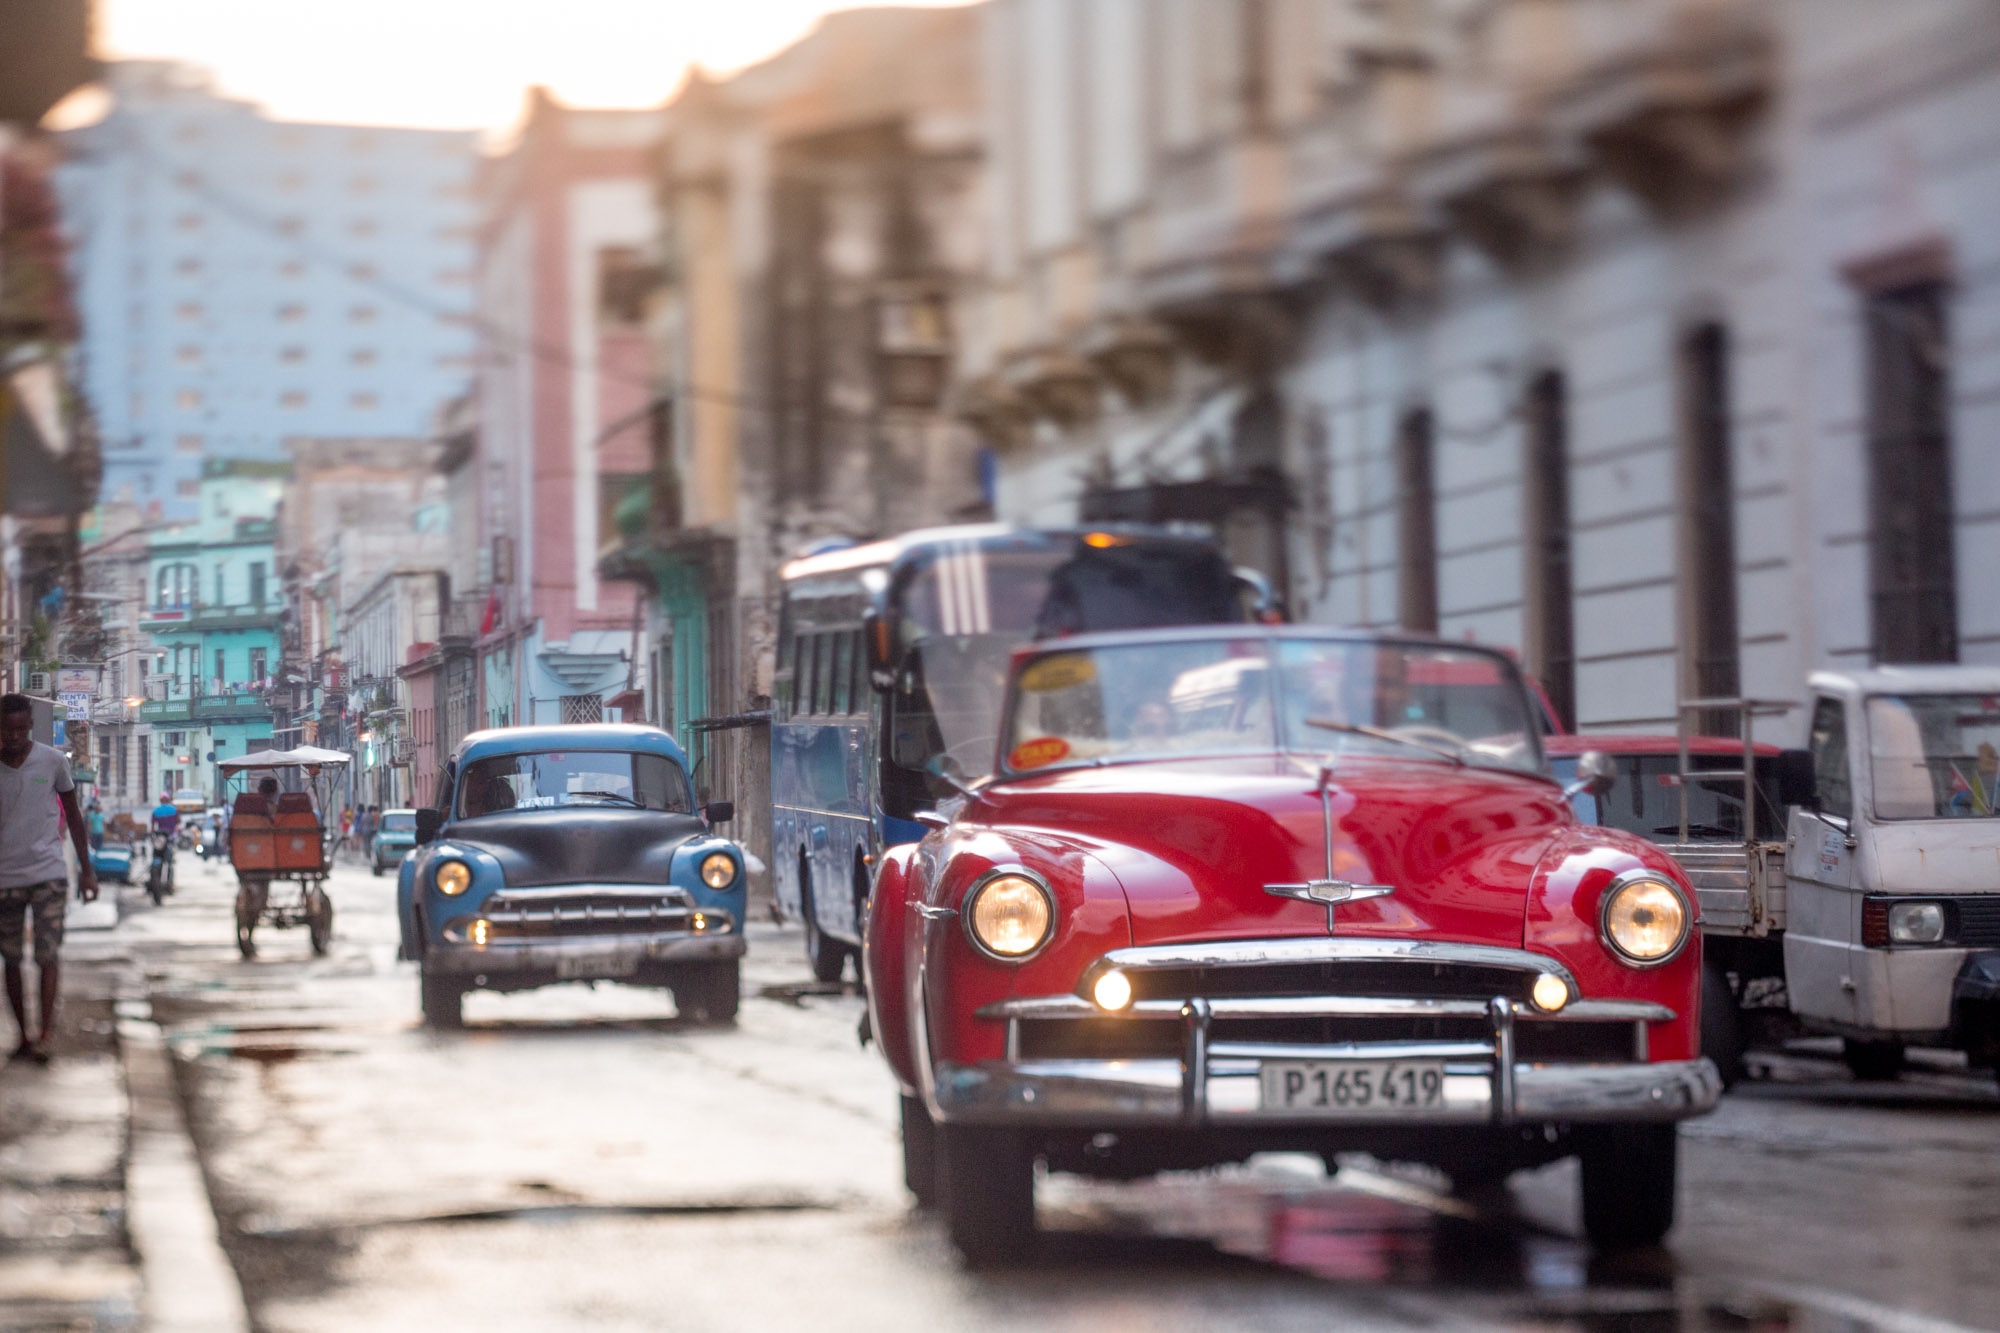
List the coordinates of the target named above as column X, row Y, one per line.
column 280, row 838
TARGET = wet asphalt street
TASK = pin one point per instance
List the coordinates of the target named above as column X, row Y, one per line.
column 582, row 1158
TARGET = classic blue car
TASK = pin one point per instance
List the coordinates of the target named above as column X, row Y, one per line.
column 397, row 834
column 572, row 853
column 112, row 861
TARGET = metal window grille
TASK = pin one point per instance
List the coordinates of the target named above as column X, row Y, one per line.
column 582, row 708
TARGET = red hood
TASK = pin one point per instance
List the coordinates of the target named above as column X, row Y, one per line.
column 1194, row 844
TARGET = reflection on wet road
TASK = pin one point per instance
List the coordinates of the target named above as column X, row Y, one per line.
column 584, row 1157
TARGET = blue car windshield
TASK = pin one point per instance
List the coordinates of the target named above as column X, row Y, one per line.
column 399, row 823
column 555, row 779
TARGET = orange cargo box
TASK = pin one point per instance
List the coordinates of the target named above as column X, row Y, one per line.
column 253, row 849
column 298, row 849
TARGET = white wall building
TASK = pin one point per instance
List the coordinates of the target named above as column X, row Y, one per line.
column 1653, row 338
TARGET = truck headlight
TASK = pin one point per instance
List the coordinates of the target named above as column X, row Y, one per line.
column 452, row 878
column 1644, row 919
column 718, row 870
column 1010, row 916
column 1916, row 923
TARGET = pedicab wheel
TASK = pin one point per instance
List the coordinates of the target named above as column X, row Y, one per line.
column 1629, row 1173
column 919, row 1152
column 1872, row 1061
column 319, row 920
column 249, row 906
column 443, row 1001
column 986, row 1187
column 709, row 992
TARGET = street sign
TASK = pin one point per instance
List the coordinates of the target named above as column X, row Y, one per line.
column 75, row 680
column 76, row 701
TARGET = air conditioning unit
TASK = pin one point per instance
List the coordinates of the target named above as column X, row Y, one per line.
column 38, row 683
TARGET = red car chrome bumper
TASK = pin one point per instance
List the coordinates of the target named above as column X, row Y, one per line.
column 1203, row 1059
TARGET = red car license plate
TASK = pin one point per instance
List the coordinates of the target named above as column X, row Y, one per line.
column 1352, row 1087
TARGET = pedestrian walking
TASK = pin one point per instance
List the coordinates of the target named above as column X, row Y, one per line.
column 37, row 800
column 96, row 824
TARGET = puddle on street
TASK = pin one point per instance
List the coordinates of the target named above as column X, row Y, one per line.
column 1364, row 1229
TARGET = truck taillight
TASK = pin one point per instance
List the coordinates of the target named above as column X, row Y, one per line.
column 1874, row 923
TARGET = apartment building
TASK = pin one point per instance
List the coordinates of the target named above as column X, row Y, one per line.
column 1650, row 338
column 244, row 280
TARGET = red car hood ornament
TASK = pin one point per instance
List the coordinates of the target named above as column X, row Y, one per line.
column 1330, row 891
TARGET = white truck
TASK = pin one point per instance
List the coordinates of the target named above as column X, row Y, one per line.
column 1852, row 888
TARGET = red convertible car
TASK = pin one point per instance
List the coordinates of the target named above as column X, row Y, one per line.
column 1237, row 890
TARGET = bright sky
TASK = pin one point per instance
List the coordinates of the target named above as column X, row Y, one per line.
column 452, row 63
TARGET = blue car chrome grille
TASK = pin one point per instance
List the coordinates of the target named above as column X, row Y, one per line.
column 587, row 914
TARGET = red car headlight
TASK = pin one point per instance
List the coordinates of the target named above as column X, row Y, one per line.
column 1644, row 919
column 1010, row 915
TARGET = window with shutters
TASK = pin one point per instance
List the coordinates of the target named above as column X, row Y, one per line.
column 1551, row 602
column 1416, row 529
column 1708, row 526
column 1913, row 582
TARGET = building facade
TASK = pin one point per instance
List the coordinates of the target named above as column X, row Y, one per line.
column 820, row 229
column 244, row 280
column 213, row 610
column 567, row 215
column 1647, row 339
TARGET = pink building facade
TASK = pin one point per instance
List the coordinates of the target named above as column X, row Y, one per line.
column 568, row 228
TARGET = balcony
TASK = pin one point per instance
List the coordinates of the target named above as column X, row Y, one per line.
column 167, row 619
column 205, row 708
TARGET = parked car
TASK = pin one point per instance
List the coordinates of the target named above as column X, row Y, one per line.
column 1254, row 888
column 572, row 853
column 396, row 834
column 112, row 861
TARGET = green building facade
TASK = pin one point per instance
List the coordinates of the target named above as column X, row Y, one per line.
column 213, row 608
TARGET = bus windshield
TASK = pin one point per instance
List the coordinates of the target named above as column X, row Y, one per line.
column 964, row 614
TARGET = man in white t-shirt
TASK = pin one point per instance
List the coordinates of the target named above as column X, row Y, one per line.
column 37, row 798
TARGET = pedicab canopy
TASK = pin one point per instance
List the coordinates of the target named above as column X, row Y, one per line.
column 306, row 756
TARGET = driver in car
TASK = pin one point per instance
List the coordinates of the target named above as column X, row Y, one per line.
column 487, row 793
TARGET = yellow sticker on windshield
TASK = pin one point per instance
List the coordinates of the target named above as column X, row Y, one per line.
column 1061, row 671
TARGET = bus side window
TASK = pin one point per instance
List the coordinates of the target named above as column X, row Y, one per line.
column 784, row 672
column 857, row 666
column 842, row 648
column 822, row 694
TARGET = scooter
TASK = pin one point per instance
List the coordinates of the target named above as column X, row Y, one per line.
column 160, row 873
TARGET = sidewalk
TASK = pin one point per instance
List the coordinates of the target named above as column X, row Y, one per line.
column 104, row 1220
column 66, row 1259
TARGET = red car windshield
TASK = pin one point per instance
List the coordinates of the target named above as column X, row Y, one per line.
column 1242, row 695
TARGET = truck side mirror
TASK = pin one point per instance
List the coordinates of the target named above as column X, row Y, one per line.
column 718, row 812
column 1796, row 782
column 429, row 821
column 1596, row 774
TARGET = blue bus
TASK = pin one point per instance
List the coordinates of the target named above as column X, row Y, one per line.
column 893, row 653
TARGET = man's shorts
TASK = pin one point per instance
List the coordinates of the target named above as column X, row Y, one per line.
column 46, row 902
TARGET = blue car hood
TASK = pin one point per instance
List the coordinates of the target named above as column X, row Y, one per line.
column 572, row 846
